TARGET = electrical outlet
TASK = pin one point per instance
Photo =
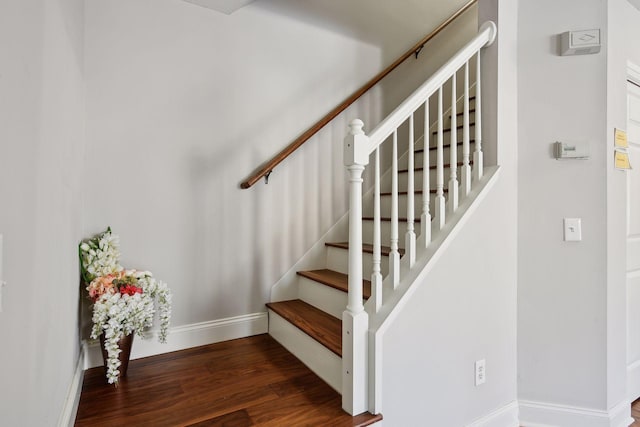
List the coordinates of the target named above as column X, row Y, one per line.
column 481, row 372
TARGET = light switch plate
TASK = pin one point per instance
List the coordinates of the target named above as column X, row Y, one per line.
column 572, row 229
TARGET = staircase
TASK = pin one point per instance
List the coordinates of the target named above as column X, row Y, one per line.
column 331, row 323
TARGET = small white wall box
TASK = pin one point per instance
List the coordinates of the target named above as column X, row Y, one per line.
column 563, row 150
column 583, row 42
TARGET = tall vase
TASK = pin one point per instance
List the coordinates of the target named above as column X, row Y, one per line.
column 125, row 345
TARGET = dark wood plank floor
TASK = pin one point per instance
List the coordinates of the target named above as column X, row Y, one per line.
column 635, row 413
column 247, row 382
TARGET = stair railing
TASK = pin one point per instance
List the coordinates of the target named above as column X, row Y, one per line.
column 265, row 170
column 357, row 149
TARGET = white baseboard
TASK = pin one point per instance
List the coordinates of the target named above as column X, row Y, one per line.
column 507, row 416
column 633, row 381
column 187, row 336
column 70, row 409
column 539, row 414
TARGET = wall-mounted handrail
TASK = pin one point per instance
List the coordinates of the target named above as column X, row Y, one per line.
column 268, row 167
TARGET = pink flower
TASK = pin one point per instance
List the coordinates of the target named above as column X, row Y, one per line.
column 102, row 285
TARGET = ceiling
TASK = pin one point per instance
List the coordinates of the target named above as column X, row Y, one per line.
column 224, row 6
column 392, row 25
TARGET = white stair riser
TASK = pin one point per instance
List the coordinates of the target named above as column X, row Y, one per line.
column 403, row 179
column 338, row 260
column 385, row 206
column 385, row 232
column 325, row 363
column 323, row 297
column 418, row 158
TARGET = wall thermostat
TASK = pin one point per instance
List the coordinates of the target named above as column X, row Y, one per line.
column 583, row 42
column 564, row 151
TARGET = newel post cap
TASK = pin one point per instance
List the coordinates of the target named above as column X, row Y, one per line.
column 493, row 31
column 356, row 145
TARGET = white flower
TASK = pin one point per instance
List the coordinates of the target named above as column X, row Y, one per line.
column 115, row 314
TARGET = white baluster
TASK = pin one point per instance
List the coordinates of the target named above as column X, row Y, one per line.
column 410, row 235
column 453, row 150
column 425, row 219
column 394, row 254
column 440, row 201
column 355, row 320
column 465, row 171
column 376, row 275
column 478, row 162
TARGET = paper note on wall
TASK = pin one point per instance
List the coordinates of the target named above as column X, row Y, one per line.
column 621, row 139
column 622, row 160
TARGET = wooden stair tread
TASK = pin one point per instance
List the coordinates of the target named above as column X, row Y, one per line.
column 320, row 326
column 366, row 247
column 365, row 419
column 334, row 279
column 447, row 145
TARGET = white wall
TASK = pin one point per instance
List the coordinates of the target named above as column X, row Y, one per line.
column 41, row 161
column 183, row 103
column 457, row 316
column 413, row 72
column 460, row 315
column 570, row 300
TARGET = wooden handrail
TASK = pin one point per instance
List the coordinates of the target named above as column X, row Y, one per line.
column 265, row 170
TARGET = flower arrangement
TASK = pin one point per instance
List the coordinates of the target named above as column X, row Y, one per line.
column 123, row 300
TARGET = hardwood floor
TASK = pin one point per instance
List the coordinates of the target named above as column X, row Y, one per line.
column 247, row 382
column 635, row 413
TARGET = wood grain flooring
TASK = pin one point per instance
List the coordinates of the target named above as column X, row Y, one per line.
column 247, row 382
column 635, row 413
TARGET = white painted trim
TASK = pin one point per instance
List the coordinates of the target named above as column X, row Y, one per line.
column 187, row 336
column 633, row 380
column 540, row 414
column 633, row 72
column 286, row 288
column 70, row 409
column 507, row 416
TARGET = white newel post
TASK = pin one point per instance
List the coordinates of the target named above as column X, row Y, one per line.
column 355, row 320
